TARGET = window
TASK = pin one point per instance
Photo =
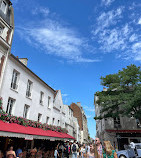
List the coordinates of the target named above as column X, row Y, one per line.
column 53, row 121
column 26, row 109
column 117, row 122
column 41, row 97
column 10, row 105
column 3, row 6
column 58, row 122
column 49, row 99
column 28, row 91
column 39, row 117
column 47, row 120
column 14, row 81
column 1, row 29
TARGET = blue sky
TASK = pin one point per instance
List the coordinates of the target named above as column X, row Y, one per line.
column 71, row 44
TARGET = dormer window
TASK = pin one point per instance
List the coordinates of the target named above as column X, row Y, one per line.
column 3, row 6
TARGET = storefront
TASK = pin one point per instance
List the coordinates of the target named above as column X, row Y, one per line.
column 125, row 137
column 29, row 137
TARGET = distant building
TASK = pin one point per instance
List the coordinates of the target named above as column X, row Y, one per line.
column 78, row 112
column 119, row 131
column 71, row 123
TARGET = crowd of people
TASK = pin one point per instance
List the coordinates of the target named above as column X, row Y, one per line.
column 66, row 150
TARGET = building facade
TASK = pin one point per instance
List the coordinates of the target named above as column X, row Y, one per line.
column 78, row 112
column 119, row 131
column 6, row 33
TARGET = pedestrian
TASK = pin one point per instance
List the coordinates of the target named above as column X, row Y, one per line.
column 83, row 151
column 90, row 153
column 74, row 149
column 10, row 154
column 19, row 153
column 1, row 154
column 109, row 151
column 62, row 149
column 67, row 149
column 56, row 153
column 99, row 147
column 88, row 148
column 12, row 151
column 33, row 153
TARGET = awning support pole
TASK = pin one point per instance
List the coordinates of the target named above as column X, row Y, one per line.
column 32, row 144
column 6, row 144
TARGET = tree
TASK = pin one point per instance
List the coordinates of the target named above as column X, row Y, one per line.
column 122, row 96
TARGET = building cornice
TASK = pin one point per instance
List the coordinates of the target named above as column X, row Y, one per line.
column 32, row 72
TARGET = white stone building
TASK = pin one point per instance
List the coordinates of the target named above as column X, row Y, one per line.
column 6, row 33
column 71, row 123
column 77, row 134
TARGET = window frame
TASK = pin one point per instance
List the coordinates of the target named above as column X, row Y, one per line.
column 49, row 100
column 39, row 117
column 58, row 122
column 47, row 120
column 117, row 122
column 15, row 80
column 25, row 113
column 9, row 108
column 53, row 121
column 41, row 97
column 29, row 88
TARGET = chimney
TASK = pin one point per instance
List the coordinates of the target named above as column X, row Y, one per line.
column 79, row 104
column 24, row 61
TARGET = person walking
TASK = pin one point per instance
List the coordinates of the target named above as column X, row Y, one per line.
column 109, row 151
column 56, row 153
column 74, row 149
column 90, row 153
column 83, row 151
column 99, row 148
column 10, row 154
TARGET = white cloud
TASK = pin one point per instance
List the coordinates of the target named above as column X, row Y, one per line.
column 41, row 10
column 115, row 34
column 58, row 40
column 136, row 49
column 64, row 95
column 114, row 39
column 139, row 22
column 107, row 19
column 133, row 38
column 107, row 2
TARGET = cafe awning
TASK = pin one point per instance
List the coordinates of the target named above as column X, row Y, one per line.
column 29, row 133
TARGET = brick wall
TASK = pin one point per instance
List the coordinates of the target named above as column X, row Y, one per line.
column 78, row 114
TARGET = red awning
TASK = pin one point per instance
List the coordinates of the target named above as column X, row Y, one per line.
column 15, row 128
column 65, row 135
column 124, row 131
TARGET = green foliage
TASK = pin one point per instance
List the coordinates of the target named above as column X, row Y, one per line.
column 123, row 94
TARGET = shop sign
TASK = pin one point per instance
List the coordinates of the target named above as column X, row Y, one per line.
column 28, row 137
